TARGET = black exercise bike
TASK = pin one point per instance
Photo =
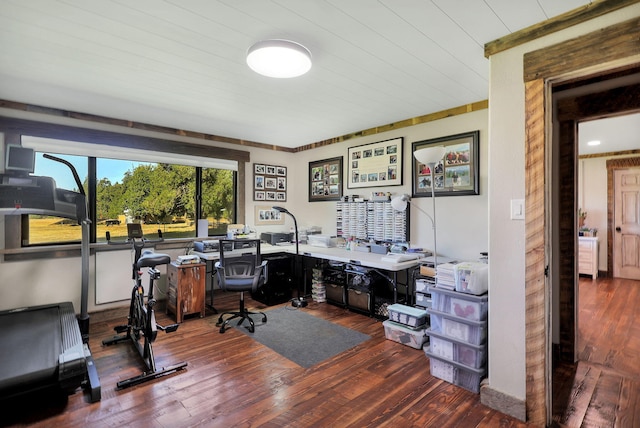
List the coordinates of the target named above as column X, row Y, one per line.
column 141, row 327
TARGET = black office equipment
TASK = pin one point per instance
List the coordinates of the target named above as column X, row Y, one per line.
column 46, row 345
column 141, row 328
column 240, row 269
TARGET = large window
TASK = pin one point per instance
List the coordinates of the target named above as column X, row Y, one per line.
column 165, row 196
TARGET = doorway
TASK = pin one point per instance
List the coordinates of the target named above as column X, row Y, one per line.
column 545, row 269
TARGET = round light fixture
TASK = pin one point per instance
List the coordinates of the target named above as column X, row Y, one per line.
column 279, row 58
column 594, row 143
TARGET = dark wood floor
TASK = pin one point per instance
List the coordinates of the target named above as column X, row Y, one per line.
column 231, row 380
column 603, row 388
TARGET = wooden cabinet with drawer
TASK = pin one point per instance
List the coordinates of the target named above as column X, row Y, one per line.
column 588, row 256
column 186, row 291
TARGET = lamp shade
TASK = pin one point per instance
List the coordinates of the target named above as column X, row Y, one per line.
column 279, row 58
column 399, row 203
column 430, row 155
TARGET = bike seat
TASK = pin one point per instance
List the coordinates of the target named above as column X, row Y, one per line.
column 151, row 259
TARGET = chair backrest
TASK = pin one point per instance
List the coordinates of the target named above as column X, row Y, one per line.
column 240, row 266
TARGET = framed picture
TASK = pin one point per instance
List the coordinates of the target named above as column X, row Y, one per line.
column 269, row 182
column 375, row 164
column 325, row 180
column 266, row 215
column 456, row 174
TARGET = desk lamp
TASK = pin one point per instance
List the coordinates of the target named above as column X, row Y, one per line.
column 300, row 301
column 429, row 156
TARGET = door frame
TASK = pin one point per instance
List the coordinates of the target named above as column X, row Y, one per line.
column 555, row 63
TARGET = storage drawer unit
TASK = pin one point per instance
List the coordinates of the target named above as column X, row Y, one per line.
column 186, row 290
column 400, row 333
column 473, row 332
column 473, row 356
column 335, row 293
column 467, row 306
column 455, row 373
column 588, row 256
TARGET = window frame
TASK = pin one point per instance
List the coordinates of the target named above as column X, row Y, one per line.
column 14, row 129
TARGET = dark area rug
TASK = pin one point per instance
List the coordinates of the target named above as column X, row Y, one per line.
column 302, row 338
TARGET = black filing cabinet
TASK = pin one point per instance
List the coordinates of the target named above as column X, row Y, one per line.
column 280, row 280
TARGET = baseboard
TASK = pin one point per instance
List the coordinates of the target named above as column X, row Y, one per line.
column 502, row 402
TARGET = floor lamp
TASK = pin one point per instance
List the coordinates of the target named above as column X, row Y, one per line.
column 300, row 301
column 429, row 156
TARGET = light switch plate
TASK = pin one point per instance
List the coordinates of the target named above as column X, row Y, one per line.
column 517, row 209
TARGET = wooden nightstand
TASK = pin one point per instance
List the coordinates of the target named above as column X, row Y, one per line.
column 186, row 289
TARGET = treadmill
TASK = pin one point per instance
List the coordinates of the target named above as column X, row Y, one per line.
column 47, row 345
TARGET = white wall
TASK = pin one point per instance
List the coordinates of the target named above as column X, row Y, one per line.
column 461, row 220
column 506, row 181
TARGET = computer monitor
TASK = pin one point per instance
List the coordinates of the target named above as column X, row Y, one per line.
column 19, row 159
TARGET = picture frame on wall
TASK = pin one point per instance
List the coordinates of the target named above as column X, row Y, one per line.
column 457, row 174
column 266, row 215
column 375, row 164
column 269, row 182
column 325, row 180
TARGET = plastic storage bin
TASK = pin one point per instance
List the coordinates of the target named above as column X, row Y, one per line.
column 423, row 300
column 473, row 332
column 455, row 373
column 465, row 306
column 471, row 277
column 407, row 315
column 414, row 338
column 472, row 356
column 422, row 285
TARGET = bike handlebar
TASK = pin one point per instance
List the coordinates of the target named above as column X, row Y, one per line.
column 130, row 241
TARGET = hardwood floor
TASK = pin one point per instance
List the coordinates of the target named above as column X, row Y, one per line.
column 231, row 380
column 603, row 388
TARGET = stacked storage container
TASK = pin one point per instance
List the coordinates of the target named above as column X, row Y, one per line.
column 458, row 337
column 406, row 325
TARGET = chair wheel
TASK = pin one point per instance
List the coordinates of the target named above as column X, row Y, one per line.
column 264, row 318
column 222, row 329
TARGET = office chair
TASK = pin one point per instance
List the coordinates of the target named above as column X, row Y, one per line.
column 240, row 269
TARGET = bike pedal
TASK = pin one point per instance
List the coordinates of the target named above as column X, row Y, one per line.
column 121, row 328
column 171, row 328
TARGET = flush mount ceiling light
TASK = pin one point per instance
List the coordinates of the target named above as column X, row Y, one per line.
column 594, row 143
column 279, row 58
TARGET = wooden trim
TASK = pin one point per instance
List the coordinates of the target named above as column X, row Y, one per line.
column 598, row 105
column 455, row 111
column 137, row 125
column 598, row 47
column 612, row 165
column 567, row 233
column 560, row 22
column 115, row 139
column 502, row 402
column 609, row 154
column 535, row 304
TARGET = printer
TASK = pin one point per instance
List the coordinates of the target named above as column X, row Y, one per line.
column 207, row 246
column 276, row 238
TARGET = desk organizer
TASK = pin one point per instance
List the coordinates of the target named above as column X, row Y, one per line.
column 414, row 338
column 408, row 315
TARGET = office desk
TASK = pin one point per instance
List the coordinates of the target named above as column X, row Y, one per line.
column 369, row 260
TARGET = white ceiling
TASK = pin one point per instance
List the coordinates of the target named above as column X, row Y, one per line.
column 181, row 63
